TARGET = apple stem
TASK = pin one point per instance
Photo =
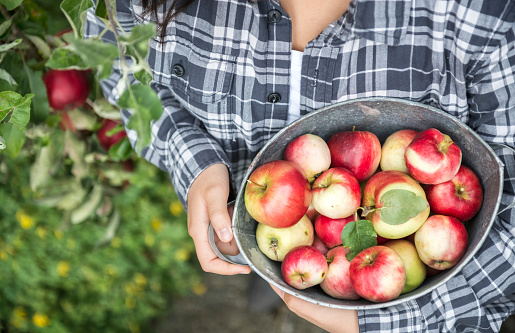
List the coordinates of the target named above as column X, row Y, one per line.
column 321, row 186
column 253, row 183
column 353, row 128
column 273, row 246
column 302, row 278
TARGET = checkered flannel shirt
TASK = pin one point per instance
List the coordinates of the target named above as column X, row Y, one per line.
column 223, row 77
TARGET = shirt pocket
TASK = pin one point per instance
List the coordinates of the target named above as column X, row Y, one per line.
column 201, row 76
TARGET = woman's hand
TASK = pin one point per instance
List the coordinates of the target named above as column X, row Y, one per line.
column 207, row 202
column 329, row 319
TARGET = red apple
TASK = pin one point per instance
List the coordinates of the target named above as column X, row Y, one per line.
column 276, row 242
column 432, row 157
column 337, row 282
column 304, row 267
column 336, row 193
column 329, row 230
column 277, row 194
column 373, row 197
column 312, row 213
column 66, row 89
column 105, row 140
column 460, row 197
column 357, row 151
column 319, row 245
column 311, row 154
column 441, row 241
column 377, row 274
column 394, row 148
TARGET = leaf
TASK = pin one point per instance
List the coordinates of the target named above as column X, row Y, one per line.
column 40, row 106
column 120, row 151
column 4, row 26
column 111, row 229
column 399, row 206
column 41, row 45
column 14, row 139
column 357, row 236
column 10, row 4
column 2, row 143
column 76, row 149
column 94, row 53
column 7, row 47
column 73, row 10
column 146, row 107
column 89, row 206
column 4, row 75
column 18, row 106
column 82, row 120
column 62, row 58
column 40, row 169
column 104, row 109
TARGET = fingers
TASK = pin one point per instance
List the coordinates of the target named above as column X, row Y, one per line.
column 207, row 203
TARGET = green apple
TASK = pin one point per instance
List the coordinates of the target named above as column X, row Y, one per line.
column 276, row 242
column 415, row 268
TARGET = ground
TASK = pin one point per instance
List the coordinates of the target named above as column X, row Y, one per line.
column 223, row 309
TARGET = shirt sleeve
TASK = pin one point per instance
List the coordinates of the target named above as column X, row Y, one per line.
column 179, row 144
column 481, row 296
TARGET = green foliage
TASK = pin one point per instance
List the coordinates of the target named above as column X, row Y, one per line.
column 399, row 206
column 357, row 236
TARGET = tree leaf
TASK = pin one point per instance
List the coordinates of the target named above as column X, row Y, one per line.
column 18, row 106
column 357, row 236
column 40, row 106
column 41, row 45
column 14, row 139
column 114, row 222
column 7, row 47
column 62, row 58
column 4, row 75
column 121, row 150
column 88, row 208
column 401, row 205
column 10, row 4
column 4, row 26
column 73, row 10
column 145, row 106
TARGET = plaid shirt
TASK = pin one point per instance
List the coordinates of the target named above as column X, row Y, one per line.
column 223, row 77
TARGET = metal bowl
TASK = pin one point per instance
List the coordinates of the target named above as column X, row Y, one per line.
column 381, row 116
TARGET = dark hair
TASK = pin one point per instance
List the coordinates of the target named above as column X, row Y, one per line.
column 151, row 7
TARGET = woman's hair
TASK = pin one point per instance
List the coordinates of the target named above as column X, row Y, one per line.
column 172, row 8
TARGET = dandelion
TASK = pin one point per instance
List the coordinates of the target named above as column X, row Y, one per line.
column 140, row 279
column 25, row 221
column 63, row 268
column 182, row 254
column 41, row 232
column 149, row 240
column 58, row 233
column 157, row 224
column 176, row 208
column 19, row 317
column 199, row 289
column 111, row 270
column 40, row 320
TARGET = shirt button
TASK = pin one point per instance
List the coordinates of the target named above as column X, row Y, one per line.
column 178, row 70
column 274, row 16
column 274, row 98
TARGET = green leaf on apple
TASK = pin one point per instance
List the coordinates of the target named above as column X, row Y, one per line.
column 357, row 236
column 401, row 205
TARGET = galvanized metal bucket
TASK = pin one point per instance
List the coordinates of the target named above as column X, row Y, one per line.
column 381, row 116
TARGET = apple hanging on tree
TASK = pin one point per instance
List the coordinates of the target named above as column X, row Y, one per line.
column 106, row 139
column 66, row 89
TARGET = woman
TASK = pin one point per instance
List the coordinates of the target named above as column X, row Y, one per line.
column 232, row 73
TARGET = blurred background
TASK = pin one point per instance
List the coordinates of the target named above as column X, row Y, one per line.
column 92, row 237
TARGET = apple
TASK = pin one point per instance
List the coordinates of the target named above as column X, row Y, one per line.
column 357, row 151
column 432, row 157
column 66, row 89
column 337, row 282
column 415, row 268
column 105, row 140
column 375, row 190
column 336, row 193
column 276, row 242
column 377, row 274
column 394, row 148
column 311, row 154
column 312, row 213
column 318, row 244
column 277, row 194
column 330, row 230
column 441, row 241
column 304, row 267
column 460, row 197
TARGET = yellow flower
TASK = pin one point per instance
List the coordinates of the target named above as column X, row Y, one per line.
column 3, row 255
column 41, row 232
column 149, row 240
column 58, row 233
column 176, row 208
column 26, row 222
column 116, row 242
column 63, row 268
column 199, row 289
column 156, row 224
column 40, row 320
column 19, row 317
column 182, row 254
column 111, row 270
column 140, row 279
